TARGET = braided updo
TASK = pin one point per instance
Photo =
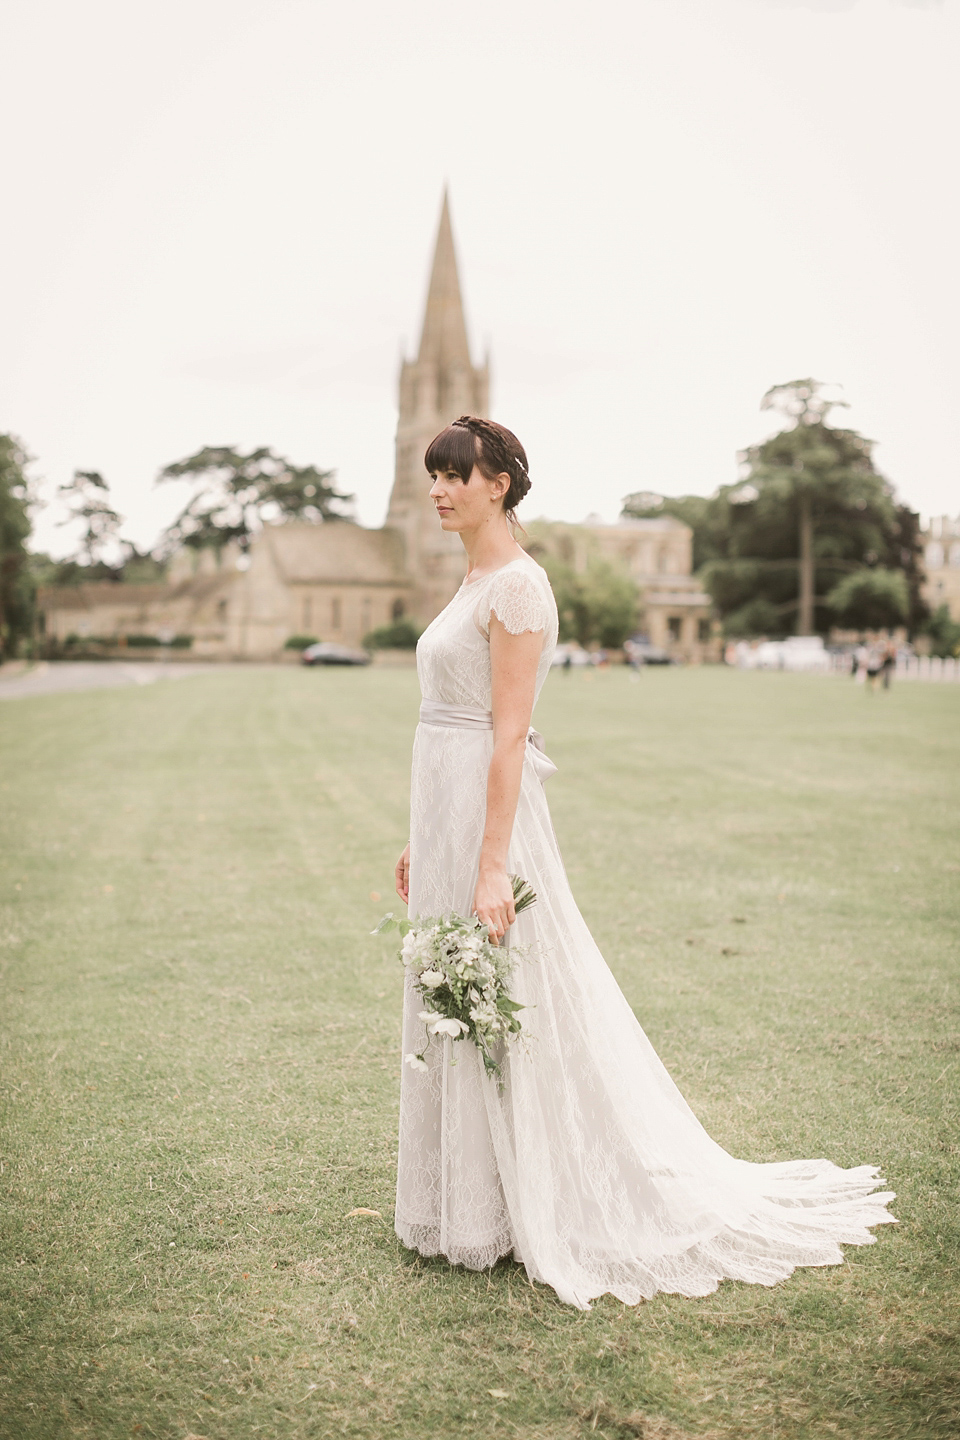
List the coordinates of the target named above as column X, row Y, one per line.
column 492, row 448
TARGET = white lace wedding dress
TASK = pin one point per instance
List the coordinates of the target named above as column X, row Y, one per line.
column 588, row 1166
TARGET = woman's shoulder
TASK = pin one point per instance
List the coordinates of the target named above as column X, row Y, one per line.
column 519, row 594
column 522, row 565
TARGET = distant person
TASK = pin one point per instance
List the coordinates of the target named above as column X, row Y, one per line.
column 874, row 665
column 860, row 657
column 585, row 1165
column 889, row 663
column 567, row 663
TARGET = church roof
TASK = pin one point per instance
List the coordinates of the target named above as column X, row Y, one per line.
column 336, row 553
column 444, row 338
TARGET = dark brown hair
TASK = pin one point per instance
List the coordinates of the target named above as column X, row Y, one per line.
column 492, row 448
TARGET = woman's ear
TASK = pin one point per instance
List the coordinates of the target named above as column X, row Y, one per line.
column 502, row 483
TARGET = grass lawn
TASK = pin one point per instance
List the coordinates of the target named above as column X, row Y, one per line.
column 200, row 1058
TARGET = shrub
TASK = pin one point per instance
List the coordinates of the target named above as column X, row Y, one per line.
column 181, row 642
column 871, row 599
column 757, row 617
column 944, row 632
column 300, row 642
column 401, row 635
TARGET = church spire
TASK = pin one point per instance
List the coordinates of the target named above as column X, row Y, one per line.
column 444, row 339
column 439, row 385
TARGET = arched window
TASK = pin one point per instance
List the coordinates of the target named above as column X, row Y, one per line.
column 335, row 612
column 396, row 610
column 934, row 556
column 955, row 556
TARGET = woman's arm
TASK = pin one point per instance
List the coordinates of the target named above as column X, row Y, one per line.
column 513, row 662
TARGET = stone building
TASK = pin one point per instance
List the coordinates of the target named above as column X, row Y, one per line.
column 338, row 580
column 941, row 557
column 658, row 556
column 190, row 605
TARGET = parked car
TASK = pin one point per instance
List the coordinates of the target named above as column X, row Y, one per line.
column 327, row 653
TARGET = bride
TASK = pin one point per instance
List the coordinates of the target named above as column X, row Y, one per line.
column 587, row 1166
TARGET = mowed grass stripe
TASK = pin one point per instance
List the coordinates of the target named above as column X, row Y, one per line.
column 200, row 1042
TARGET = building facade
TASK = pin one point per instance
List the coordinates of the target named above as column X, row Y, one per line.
column 941, row 558
column 338, row 581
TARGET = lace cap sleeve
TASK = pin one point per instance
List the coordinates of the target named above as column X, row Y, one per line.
column 517, row 601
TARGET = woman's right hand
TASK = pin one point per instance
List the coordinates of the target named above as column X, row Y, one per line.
column 402, row 874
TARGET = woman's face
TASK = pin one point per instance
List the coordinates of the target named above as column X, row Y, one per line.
column 467, row 506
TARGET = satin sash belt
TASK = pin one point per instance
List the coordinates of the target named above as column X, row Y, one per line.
column 470, row 717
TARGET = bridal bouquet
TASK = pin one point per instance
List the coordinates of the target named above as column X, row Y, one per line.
column 463, row 977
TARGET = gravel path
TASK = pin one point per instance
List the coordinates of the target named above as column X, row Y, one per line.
column 53, row 677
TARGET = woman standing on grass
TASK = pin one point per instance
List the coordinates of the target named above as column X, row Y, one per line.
column 588, row 1166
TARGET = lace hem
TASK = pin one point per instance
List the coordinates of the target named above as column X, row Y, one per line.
column 746, row 1256
column 472, row 1255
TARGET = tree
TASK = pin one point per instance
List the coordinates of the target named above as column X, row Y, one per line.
column 809, row 509
column 87, row 497
column 17, row 588
column 707, row 521
column 812, row 469
column 944, row 632
column 871, row 599
column 599, row 603
column 234, row 494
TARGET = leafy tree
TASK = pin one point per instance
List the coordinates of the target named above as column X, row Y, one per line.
column 707, row 521
column 597, row 600
column 809, row 509
column 599, row 603
column 87, row 497
column 233, row 494
column 17, row 585
column 135, row 567
column 871, row 599
column 944, row 632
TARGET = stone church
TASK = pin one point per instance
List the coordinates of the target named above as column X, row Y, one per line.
column 338, row 580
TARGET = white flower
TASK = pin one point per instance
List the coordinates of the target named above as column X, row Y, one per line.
column 416, row 1062
column 410, row 949
column 486, row 1016
column 445, row 1025
column 417, row 947
column 429, row 1016
column 432, row 978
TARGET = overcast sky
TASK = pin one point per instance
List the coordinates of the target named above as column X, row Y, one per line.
column 219, row 216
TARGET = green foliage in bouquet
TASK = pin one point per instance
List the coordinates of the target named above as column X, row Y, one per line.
column 463, row 977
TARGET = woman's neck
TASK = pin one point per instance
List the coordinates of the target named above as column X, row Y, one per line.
column 489, row 546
